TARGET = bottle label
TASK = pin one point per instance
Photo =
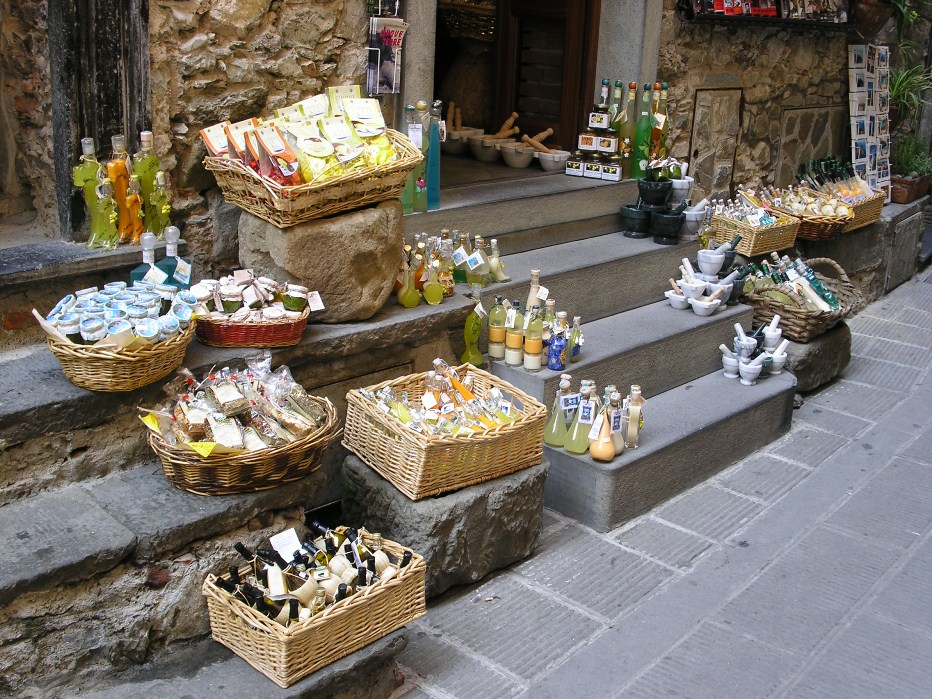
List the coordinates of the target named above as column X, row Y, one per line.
column 443, row 130
column 460, row 256
column 542, row 293
column 182, row 271
column 505, row 406
column 155, row 275
column 615, row 416
column 480, row 311
column 586, row 412
column 596, row 427
column 416, row 134
column 510, row 317
column 148, row 257
column 569, row 402
column 593, row 170
column 474, row 260
column 428, row 401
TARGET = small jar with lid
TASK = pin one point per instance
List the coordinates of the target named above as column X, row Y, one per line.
column 204, row 296
column 65, row 305
column 232, row 298
column 85, row 293
column 93, row 312
column 83, row 305
column 169, row 327
column 186, row 297
column 148, row 329
column 69, row 325
column 167, row 293
column 574, row 164
column 272, row 313
column 153, row 306
column 295, row 298
column 93, row 330
column 126, row 298
column 112, row 314
column 183, row 314
column 136, row 313
column 101, row 298
column 115, row 286
column 115, row 327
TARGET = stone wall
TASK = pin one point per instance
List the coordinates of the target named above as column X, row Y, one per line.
column 748, row 103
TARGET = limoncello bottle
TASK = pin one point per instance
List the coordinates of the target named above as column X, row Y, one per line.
column 577, row 435
column 497, row 315
column 471, row 332
column 496, row 266
column 555, row 432
column 533, row 341
column 408, row 296
column 160, row 205
column 87, row 175
column 145, row 165
column 602, row 448
column 514, row 335
column 433, row 289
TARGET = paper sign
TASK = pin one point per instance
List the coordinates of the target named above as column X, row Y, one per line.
column 416, row 134
column 460, row 255
column 596, row 427
column 587, row 412
column 569, row 401
column 286, row 543
column 152, row 422
column 474, row 260
column 480, row 310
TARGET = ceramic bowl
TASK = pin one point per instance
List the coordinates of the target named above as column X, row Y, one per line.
column 692, row 290
column 485, row 149
column 710, row 262
column 553, row 162
column 634, row 220
column 779, row 360
column 704, row 308
column 680, row 191
column 516, row 154
column 744, row 349
column 730, row 366
column 749, row 373
column 458, row 141
column 692, row 222
column 678, row 301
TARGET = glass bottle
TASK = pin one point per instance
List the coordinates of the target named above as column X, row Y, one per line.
column 471, row 332
column 662, row 119
column 420, row 170
column 176, row 269
column 577, row 435
column 433, row 289
column 614, row 107
column 549, row 317
column 602, row 448
column 118, row 173
column 555, row 431
column 106, row 235
column 615, row 416
column 420, row 271
column 627, row 131
column 532, row 298
column 407, row 194
column 477, row 267
column 409, row 296
column 635, row 407
column 465, row 250
column 496, row 266
column 145, row 165
column 160, row 206
column 433, row 157
column 556, row 354
column 533, row 342
column 575, row 341
column 514, row 335
column 445, row 273
column 87, row 175
column 148, row 257
column 642, row 138
column 134, row 206
column 497, row 315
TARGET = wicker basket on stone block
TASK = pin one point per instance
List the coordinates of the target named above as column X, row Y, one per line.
column 424, row 465
column 286, row 655
column 757, row 240
column 288, row 206
column 798, row 322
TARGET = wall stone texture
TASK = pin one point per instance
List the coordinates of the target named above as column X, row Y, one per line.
column 776, row 71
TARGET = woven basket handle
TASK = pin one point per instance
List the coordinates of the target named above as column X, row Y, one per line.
column 783, row 290
column 828, row 262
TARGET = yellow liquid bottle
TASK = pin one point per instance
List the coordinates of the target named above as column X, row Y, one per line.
column 577, row 436
column 87, row 175
column 409, row 296
column 555, row 431
column 471, row 332
column 119, row 176
column 433, row 289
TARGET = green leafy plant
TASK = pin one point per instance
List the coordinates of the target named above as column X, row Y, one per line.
column 910, row 154
column 906, row 88
column 905, row 14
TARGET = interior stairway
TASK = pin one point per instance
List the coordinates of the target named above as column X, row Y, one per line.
column 105, row 559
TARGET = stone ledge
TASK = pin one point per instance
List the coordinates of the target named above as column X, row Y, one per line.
column 820, row 360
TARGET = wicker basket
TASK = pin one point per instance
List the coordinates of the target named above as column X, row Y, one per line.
column 818, row 227
column 115, row 370
column 246, row 472
column 223, row 332
column 866, row 212
column 421, row 465
column 469, row 19
column 285, row 655
column 289, row 206
column 756, row 240
column 797, row 321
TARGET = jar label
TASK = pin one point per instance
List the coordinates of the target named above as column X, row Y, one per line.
column 587, row 412
column 569, row 402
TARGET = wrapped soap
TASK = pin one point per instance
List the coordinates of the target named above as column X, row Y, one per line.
column 228, row 398
column 225, row 431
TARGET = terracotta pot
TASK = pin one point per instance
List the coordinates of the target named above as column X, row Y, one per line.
column 869, row 16
column 903, row 191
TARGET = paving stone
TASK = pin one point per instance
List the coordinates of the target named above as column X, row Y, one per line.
column 710, row 511
column 889, row 330
column 463, row 535
column 905, row 598
column 912, row 416
column 809, row 447
column 895, row 507
column 830, row 420
column 594, row 573
column 921, row 449
column 55, row 538
column 875, row 372
column 867, row 402
column 890, row 351
column 908, row 314
column 872, row 658
column 525, row 631
column 549, row 520
column 799, row 599
column 716, row 663
column 414, row 693
column 763, row 476
column 663, row 542
column 451, row 670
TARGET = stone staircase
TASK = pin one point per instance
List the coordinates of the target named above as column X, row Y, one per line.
column 105, row 559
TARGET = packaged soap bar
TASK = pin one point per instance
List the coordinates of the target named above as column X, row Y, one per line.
column 339, row 93
column 236, row 140
column 193, row 420
column 316, row 157
column 215, row 138
column 346, row 144
column 365, row 116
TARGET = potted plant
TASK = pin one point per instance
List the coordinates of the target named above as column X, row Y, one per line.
column 911, row 168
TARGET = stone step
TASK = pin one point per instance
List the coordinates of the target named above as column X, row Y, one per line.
column 690, row 433
column 655, row 346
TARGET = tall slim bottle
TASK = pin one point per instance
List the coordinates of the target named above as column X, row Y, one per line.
column 642, row 137
column 145, row 165
column 577, row 436
column 87, row 175
column 414, row 134
column 160, row 205
column 533, row 341
column 532, row 298
column 497, row 316
column 576, row 340
column 118, row 173
column 555, row 431
column 664, row 118
column 602, row 448
column 420, row 170
column 433, row 158
column 627, row 132
column 106, row 235
column 514, row 335
column 134, row 203
column 496, row 266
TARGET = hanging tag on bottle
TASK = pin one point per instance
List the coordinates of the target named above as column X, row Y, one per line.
column 506, row 304
column 596, row 427
column 542, row 293
column 428, row 401
column 314, row 301
column 569, row 402
column 460, row 255
column 446, row 408
column 431, row 415
column 443, row 131
column 480, row 310
column 286, row 543
column 155, row 275
column 586, row 412
column 384, row 408
column 182, row 272
column 616, row 421
column 416, row 134
column 474, row 260
column 510, row 318
column 527, row 320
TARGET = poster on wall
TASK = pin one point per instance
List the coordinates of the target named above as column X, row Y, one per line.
column 383, row 75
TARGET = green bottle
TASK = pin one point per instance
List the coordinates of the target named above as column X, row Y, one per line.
column 577, row 436
column 105, row 234
column 433, row 289
column 407, row 194
column 555, row 432
column 87, row 175
column 160, row 206
column 576, row 341
column 145, row 166
column 471, row 332
column 642, row 138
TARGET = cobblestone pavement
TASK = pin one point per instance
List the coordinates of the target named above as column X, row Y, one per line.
column 801, row 571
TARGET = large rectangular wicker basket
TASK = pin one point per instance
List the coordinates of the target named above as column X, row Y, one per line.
column 424, row 465
column 288, row 206
column 757, row 240
column 285, row 655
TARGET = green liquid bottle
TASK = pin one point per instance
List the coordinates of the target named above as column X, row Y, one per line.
column 105, row 235
column 420, row 170
column 576, row 341
column 642, row 137
column 459, row 271
column 471, row 332
column 555, row 432
column 626, row 126
column 87, row 175
column 407, row 194
column 160, row 205
column 577, row 435
column 145, row 167
column 433, row 289
column 408, row 295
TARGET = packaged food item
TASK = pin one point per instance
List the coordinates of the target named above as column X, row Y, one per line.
column 337, row 94
column 317, row 159
column 215, row 138
column 347, row 146
column 277, row 160
column 236, row 139
column 229, row 398
column 225, row 431
column 365, row 116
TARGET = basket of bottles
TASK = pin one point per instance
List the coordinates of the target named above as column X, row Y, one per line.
column 439, row 431
column 757, row 237
column 821, row 217
column 317, row 620
column 240, row 432
column 288, row 205
column 809, row 307
column 866, row 211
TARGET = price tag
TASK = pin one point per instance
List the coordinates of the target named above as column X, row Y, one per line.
column 510, row 318
column 182, row 271
column 443, row 131
column 155, row 275
column 431, row 415
column 416, row 134
column 569, row 401
column 542, row 293
column 587, row 412
column 474, row 260
column 314, row 301
column 460, row 255
column 596, row 426
column 286, row 543
column 428, row 401
column 480, row 310
column 616, row 421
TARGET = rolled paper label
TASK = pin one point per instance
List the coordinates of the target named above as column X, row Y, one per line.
column 510, row 318
column 596, row 427
column 155, row 275
column 542, row 293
